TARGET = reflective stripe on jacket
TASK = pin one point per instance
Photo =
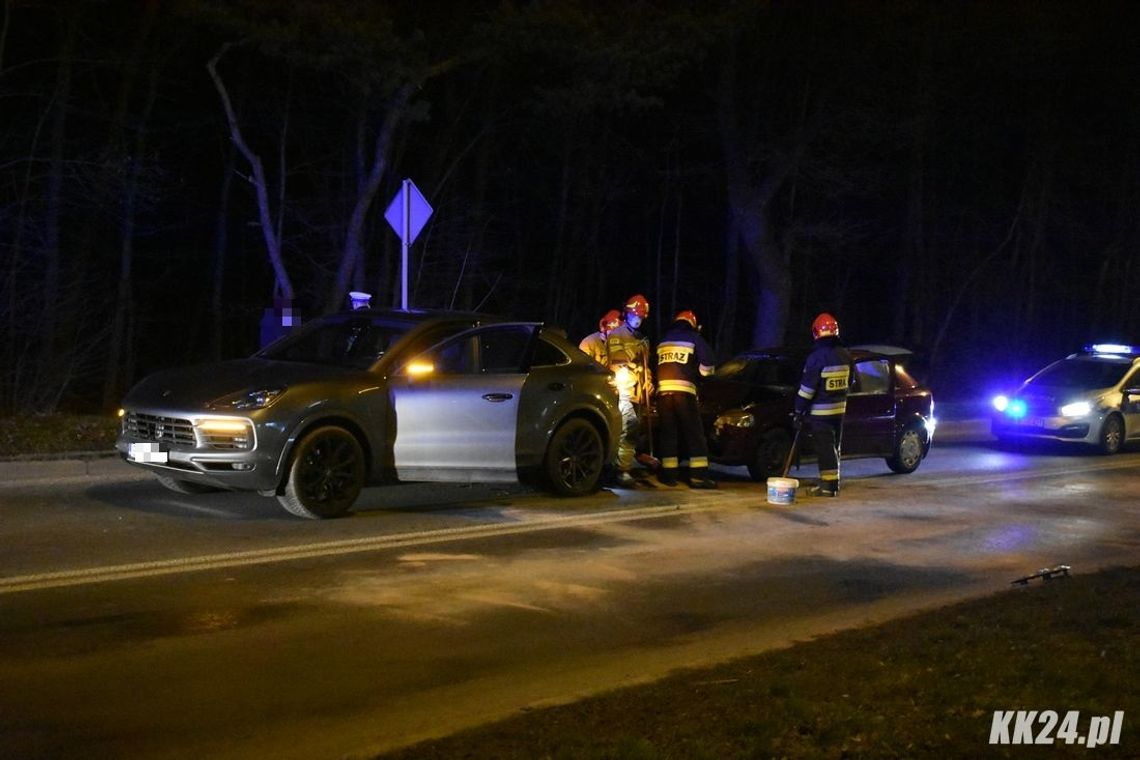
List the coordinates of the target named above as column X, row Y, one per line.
column 826, row 376
column 683, row 357
column 628, row 352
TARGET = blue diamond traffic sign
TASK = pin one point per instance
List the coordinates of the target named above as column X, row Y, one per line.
column 408, row 212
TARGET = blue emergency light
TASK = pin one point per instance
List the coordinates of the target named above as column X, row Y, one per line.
column 1011, row 407
column 1111, row 348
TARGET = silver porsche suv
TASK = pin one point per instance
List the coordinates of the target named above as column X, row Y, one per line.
column 370, row 397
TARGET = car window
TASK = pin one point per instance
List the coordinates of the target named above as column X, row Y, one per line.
column 1082, row 373
column 493, row 350
column 904, row 379
column 434, row 335
column 505, row 350
column 872, row 376
column 769, row 370
column 352, row 342
column 739, row 369
column 547, row 354
column 457, row 357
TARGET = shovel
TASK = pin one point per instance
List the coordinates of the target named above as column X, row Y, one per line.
column 791, row 453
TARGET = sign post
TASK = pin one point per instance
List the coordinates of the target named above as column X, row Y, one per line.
column 407, row 214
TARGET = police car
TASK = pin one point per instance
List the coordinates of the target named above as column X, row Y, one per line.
column 1091, row 397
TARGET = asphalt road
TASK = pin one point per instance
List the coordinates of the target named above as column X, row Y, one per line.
column 140, row 623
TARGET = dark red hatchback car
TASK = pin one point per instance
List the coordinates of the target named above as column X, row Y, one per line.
column 747, row 411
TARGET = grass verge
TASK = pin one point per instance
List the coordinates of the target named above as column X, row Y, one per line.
column 53, row 434
column 923, row 686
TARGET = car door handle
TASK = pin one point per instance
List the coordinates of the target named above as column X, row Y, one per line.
column 497, row 397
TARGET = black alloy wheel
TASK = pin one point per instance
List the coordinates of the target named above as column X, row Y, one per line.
column 574, row 458
column 325, row 476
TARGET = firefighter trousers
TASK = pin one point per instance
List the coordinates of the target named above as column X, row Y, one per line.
column 826, row 435
column 679, row 419
column 630, row 428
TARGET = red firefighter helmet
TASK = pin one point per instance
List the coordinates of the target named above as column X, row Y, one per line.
column 611, row 320
column 824, row 326
column 688, row 316
column 639, row 305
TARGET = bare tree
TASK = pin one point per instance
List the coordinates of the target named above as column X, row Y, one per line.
column 120, row 354
column 269, row 230
column 752, row 186
column 366, row 194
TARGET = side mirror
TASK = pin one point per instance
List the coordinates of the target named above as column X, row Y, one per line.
column 419, row 368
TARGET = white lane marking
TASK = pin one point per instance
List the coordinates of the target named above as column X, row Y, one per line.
column 94, row 575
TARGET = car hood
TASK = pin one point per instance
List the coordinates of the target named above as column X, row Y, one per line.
column 196, row 386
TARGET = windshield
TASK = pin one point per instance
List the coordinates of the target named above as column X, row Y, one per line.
column 347, row 341
column 770, row 370
column 1086, row 374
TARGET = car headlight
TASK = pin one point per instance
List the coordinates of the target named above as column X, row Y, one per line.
column 224, row 433
column 1001, row 403
column 738, row 418
column 1076, row 409
column 245, row 400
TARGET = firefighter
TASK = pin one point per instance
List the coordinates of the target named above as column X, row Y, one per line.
column 683, row 358
column 822, row 399
column 594, row 344
column 627, row 352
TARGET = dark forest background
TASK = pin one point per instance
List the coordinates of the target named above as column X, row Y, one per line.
column 962, row 178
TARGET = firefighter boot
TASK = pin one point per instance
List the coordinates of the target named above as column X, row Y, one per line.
column 667, row 476
column 625, row 480
column 826, row 490
column 699, row 478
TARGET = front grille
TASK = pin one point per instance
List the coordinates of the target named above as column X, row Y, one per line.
column 151, row 427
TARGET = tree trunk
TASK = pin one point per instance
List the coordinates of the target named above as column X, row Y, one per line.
column 730, row 291
column 119, row 366
column 5, row 24
column 49, row 343
column 221, row 245
column 284, row 287
column 749, row 205
column 354, row 237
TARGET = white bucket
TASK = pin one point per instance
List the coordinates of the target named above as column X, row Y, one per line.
column 782, row 490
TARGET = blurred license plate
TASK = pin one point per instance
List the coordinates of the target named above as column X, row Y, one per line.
column 146, row 452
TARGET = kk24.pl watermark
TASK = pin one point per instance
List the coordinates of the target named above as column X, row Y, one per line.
column 1048, row 727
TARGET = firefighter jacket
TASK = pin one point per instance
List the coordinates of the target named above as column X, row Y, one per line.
column 823, row 386
column 683, row 358
column 628, row 356
column 594, row 346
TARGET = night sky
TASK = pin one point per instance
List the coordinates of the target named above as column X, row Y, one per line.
column 960, row 178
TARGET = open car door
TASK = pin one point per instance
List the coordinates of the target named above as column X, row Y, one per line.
column 456, row 406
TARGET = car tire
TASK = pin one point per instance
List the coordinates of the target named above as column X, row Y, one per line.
column 575, row 458
column 908, row 450
column 185, row 486
column 326, row 474
column 1111, row 434
column 771, row 453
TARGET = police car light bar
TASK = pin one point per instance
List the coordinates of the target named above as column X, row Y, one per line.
column 1111, row 348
